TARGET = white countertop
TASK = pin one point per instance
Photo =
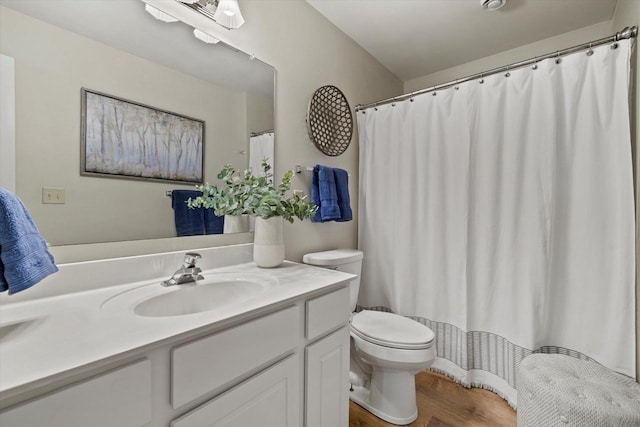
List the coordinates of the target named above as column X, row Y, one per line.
column 62, row 334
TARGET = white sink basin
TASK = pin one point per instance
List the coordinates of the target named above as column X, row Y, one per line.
column 11, row 330
column 215, row 291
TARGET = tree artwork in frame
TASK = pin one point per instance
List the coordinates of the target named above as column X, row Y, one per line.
column 125, row 139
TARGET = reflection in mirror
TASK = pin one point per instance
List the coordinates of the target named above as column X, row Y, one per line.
column 116, row 48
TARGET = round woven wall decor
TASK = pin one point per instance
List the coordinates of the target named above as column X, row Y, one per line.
column 329, row 120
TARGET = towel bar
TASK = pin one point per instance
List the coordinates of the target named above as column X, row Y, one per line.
column 300, row 169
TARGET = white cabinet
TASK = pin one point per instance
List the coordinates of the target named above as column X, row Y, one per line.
column 282, row 366
column 327, row 312
column 327, row 381
column 118, row 398
column 202, row 366
column 268, row 399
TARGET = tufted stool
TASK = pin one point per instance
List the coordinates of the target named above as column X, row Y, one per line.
column 558, row 390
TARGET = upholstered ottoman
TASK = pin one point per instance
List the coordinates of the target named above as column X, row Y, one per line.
column 558, row 390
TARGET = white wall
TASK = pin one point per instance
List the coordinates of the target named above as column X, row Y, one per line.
column 52, row 65
column 628, row 14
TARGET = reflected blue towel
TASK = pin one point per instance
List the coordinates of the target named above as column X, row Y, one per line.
column 342, row 190
column 213, row 224
column 24, row 257
column 323, row 194
column 194, row 222
column 189, row 222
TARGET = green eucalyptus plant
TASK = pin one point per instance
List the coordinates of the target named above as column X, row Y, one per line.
column 244, row 193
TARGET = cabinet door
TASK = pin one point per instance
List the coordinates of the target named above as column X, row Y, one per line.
column 327, row 381
column 118, row 398
column 269, row 399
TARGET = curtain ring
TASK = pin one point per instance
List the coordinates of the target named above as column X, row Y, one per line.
column 456, row 87
column 590, row 51
column 535, row 63
column 614, row 46
column 481, row 81
column 507, row 74
column 558, row 59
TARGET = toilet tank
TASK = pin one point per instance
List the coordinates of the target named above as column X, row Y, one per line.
column 345, row 260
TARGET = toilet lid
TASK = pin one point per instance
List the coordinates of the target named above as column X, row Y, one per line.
column 391, row 330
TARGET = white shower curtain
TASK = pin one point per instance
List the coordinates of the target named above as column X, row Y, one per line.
column 500, row 214
column 260, row 147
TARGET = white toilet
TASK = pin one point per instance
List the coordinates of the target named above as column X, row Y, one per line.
column 387, row 349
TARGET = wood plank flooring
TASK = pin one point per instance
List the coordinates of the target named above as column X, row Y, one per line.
column 443, row 403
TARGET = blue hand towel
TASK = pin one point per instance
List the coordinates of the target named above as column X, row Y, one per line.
column 213, row 224
column 323, row 194
column 189, row 222
column 24, row 257
column 342, row 189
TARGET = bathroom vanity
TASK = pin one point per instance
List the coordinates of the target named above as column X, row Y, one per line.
column 245, row 346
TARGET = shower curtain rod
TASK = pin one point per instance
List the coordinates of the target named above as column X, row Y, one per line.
column 252, row 134
column 626, row 33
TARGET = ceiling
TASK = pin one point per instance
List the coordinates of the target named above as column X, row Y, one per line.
column 124, row 25
column 413, row 38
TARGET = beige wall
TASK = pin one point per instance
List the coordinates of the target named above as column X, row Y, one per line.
column 259, row 113
column 51, row 66
column 541, row 47
column 308, row 52
column 628, row 14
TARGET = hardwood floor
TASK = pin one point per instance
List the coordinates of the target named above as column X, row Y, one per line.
column 443, row 403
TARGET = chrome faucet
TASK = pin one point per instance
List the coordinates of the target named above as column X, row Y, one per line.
column 187, row 273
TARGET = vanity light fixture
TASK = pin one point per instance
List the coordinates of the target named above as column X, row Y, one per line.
column 202, row 36
column 228, row 14
column 159, row 15
column 225, row 13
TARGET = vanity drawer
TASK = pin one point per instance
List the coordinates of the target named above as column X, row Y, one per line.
column 209, row 363
column 118, row 398
column 269, row 399
column 327, row 312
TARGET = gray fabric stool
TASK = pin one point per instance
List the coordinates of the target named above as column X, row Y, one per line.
column 562, row 391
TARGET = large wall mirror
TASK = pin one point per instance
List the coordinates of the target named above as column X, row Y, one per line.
column 116, row 48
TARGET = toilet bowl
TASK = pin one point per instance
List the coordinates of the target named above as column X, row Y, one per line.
column 387, row 349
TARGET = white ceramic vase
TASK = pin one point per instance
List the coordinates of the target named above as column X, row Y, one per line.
column 268, row 242
column 236, row 224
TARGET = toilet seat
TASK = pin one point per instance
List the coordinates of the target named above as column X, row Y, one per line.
column 391, row 330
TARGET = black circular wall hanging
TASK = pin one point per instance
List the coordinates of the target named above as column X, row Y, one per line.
column 329, row 120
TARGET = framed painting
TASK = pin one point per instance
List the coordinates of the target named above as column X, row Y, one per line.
column 126, row 139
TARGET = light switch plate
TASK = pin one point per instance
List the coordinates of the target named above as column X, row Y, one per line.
column 52, row 195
